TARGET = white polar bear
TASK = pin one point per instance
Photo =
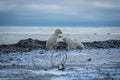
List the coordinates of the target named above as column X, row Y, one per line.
column 52, row 41
column 71, row 44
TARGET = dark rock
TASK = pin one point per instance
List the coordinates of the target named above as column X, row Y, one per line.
column 61, row 67
column 45, row 69
column 41, row 52
column 108, row 33
column 103, row 44
column 23, row 46
column 89, row 59
column 11, row 58
column 4, row 66
column 29, row 44
column 62, row 46
column 13, row 65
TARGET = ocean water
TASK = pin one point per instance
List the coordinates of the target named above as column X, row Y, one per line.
column 10, row 35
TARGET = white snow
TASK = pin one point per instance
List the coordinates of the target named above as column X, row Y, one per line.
column 104, row 64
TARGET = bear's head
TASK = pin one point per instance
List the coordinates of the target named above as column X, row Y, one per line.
column 65, row 39
column 58, row 31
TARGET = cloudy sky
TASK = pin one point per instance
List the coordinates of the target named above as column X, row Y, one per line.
column 60, row 13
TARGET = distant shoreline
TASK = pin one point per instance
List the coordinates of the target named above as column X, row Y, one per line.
column 56, row 26
column 63, row 26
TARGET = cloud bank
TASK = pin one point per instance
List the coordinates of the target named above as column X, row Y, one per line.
column 60, row 13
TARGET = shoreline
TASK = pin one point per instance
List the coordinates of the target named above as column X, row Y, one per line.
column 30, row 44
column 99, row 61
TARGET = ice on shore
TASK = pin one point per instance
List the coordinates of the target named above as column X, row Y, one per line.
column 104, row 65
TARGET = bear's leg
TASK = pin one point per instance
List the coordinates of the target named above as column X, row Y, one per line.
column 69, row 47
column 55, row 45
column 50, row 47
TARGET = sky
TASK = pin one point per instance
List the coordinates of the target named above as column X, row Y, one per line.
column 60, row 13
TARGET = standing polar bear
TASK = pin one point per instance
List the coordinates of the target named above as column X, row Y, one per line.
column 71, row 44
column 52, row 41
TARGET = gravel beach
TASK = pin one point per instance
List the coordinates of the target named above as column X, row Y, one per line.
column 99, row 61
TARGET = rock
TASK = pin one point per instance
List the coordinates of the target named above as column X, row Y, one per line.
column 41, row 52
column 45, row 69
column 11, row 59
column 62, row 46
column 13, row 65
column 23, row 46
column 29, row 44
column 89, row 59
column 108, row 33
column 61, row 67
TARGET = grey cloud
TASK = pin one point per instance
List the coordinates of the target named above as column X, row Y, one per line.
column 81, row 10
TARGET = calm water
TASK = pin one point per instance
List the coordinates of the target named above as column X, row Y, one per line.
column 9, row 35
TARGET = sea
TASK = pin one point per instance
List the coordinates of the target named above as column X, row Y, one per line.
column 11, row 35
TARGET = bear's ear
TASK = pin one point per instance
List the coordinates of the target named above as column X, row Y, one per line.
column 63, row 39
column 60, row 32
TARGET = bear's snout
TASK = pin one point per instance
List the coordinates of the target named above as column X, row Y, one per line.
column 60, row 32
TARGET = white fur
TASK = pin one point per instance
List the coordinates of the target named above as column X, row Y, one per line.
column 52, row 41
column 72, row 44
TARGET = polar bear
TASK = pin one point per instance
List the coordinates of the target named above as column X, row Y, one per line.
column 52, row 41
column 72, row 44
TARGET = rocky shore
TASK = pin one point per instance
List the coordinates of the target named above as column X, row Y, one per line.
column 99, row 61
column 29, row 44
